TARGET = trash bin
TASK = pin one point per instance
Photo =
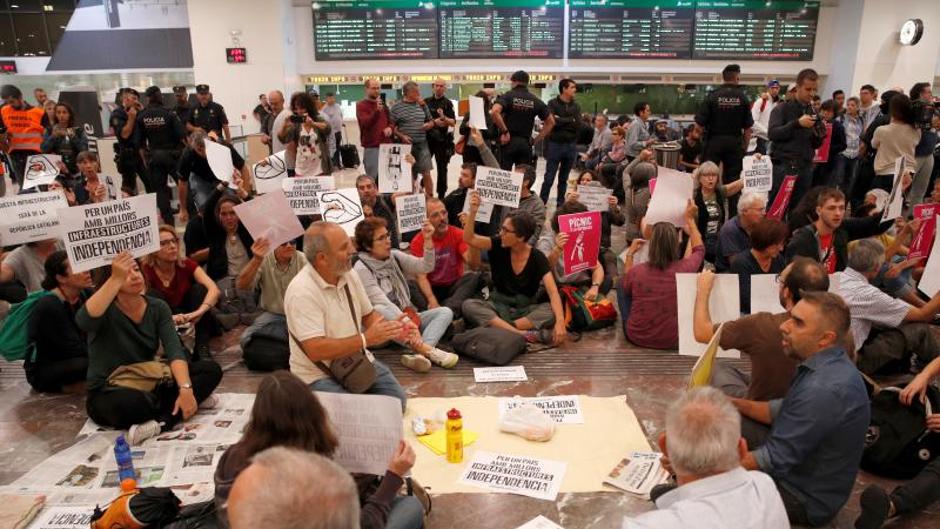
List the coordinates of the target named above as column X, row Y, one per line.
column 667, row 154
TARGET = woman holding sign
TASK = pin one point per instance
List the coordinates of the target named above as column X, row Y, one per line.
column 126, row 384
column 710, row 198
column 518, row 272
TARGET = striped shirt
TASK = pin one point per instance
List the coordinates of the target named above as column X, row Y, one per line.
column 868, row 305
column 409, row 118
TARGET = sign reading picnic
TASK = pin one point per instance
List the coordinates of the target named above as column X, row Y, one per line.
column 96, row 233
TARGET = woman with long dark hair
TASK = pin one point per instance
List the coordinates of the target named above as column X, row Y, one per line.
column 896, row 139
column 307, row 133
column 64, row 138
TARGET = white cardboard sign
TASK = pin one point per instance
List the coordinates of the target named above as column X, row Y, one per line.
column 757, row 174
column 269, row 173
column 30, row 217
column 369, row 428
column 270, row 216
column 394, row 169
column 724, row 304
column 41, row 169
column 526, row 476
column 594, row 197
column 220, row 161
column 411, row 211
column 96, row 233
column 673, row 191
column 343, row 207
column 302, row 192
column 498, row 187
column 500, row 374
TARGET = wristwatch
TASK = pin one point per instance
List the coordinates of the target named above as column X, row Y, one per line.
column 188, row 385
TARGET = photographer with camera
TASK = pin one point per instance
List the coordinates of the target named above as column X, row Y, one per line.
column 305, row 133
column 924, row 111
column 65, row 139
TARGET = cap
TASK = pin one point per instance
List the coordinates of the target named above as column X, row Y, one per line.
column 202, row 89
column 733, row 68
column 773, row 83
column 520, row 77
column 152, row 91
column 179, row 89
column 130, row 90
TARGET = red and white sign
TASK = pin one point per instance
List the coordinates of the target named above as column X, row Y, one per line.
column 923, row 239
column 782, row 200
column 584, row 240
column 822, row 153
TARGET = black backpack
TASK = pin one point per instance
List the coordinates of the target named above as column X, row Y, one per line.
column 489, row 345
column 898, row 444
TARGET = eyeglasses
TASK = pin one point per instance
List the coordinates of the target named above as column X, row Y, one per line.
column 503, row 229
column 167, row 242
column 382, row 238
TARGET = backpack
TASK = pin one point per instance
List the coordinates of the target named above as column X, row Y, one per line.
column 584, row 315
column 489, row 345
column 14, row 331
column 898, row 444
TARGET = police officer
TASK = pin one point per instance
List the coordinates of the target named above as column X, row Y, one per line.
column 726, row 117
column 123, row 125
column 440, row 137
column 161, row 139
column 182, row 104
column 208, row 115
column 514, row 114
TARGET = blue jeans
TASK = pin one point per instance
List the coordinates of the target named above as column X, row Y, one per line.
column 899, row 286
column 385, row 384
column 434, row 322
column 559, row 157
column 406, row 513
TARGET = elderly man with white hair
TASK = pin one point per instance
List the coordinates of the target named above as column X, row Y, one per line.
column 703, row 445
column 733, row 237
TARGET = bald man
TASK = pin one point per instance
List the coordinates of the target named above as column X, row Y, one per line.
column 274, row 121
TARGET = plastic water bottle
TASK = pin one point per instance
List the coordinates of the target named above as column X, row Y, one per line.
column 454, row 437
column 125, row 463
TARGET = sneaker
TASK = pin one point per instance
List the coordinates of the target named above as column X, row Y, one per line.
column 211, row 402
column 442, row 358
column 875, row 504
column 542, row 336
column 139, row 433
column 416, row 363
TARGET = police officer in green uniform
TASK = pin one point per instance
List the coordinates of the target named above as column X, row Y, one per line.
column 208, row 116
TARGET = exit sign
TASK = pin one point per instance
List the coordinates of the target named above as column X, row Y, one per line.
column 236, row 55
column 7, row 66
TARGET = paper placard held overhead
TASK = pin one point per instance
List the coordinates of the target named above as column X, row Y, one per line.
column 343, row 207
column 895, row 205
column 220, row 161
column 930, row 281
column 268, row 174
column 394, row 169
column 594, row 197
column 765, row 294
column 370, row 427
column 96, row 233
column 758, row 175
column 41, row 169
column 673, row 191
column 270, row 216
column 498, row 187
column 30, row 217
column 584, row 240
column 477, row 113
column 301, row 192
column 411, row 211
column 484, row 214
column 724, row 305
column 923, row 239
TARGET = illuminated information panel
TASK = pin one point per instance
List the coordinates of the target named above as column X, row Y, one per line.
column 630, row 29
column 755, row 29
column 374, row 29
column 530, row 29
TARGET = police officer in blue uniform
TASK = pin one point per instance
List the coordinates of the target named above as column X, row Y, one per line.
column 726, row 117
column 161, row 138
column 208, row 115
column 123, row 124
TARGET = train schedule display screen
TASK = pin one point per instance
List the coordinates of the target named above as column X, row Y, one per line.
column 374, row 29
column 630, row 29
column 755, row 29
column 530, row 29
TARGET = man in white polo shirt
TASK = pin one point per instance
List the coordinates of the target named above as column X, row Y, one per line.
column 320, row 319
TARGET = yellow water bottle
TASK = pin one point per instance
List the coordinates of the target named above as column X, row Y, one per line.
column 454, row 437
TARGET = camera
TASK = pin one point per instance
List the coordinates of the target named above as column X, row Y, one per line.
column 924, row 112
column 297, row 118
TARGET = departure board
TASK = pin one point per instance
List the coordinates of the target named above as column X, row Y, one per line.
column 755, row 29
column 374, row 29
column 528, row 29
column 630, row 29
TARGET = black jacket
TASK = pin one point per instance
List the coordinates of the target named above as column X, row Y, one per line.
column 791, row 142
column 567, row 120
column 805, row 242
column 217, row 265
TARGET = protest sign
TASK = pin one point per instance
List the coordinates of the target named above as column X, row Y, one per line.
column 270, row 216
column 394, row 169
column 112, row 186
column 930, row 282
column 540, row 522
column 64, row 517
column 499, row 374
column 702, row 370
column 301, row 192
column 758, row 175
column 822, row 153
column 484, row 214
column 584, row 240
column 673, row 191
column 269, row 173
column 342, row 206
column 411, row 211
column 41, row 169
column 652, row 185
column 765, row 294
column 526, row 476
column 895, row 204
column 495, row 186
column 638, row 473
column 779, row 208
column 30, row 217
column 923, row 239
column 477, row 113
column 368, row 427
column 220, row 161
column 565, row 409
column 724, row 304
column 594, row 197
column 96, row 233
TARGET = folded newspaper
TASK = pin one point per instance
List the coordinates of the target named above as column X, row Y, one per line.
column 638, row 473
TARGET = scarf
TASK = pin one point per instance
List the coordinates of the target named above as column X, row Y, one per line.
column 389, row 277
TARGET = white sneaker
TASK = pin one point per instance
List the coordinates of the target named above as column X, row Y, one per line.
column 211, row 402
column 139, row 433
column 443, row 358
column 416, row 363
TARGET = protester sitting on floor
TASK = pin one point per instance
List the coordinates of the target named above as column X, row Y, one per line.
column 757, row 335
column 59, row 360
column 125, row 328
column 327, row 309
column 637, row 192
column 611, row 162
column 613, row 215
column 89, row 188
column 888, row 332
column 384, row 272
column 733, row 237
column 197, row 179
column 229, row 252
column 768, row 237
column 264, row 342
column 710, row 197
column 298, row 489
column 649, row 289
column 528, row 202
column 286, row 414
column 518, row 271
column 380, row 206
column 895, row 276
column 552, row 245
column 703, row 445
column 876, row 504
column 447, row 285
column 24, row 265
column 811, row 442
column 185, row 287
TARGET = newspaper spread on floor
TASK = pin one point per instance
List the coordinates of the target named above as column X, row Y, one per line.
column 638, row 473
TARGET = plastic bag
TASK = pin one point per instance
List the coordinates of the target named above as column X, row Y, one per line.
column 529, row 422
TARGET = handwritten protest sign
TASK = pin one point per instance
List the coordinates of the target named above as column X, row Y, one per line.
column 594, row 197
column 895, row 203
column 96, row 233
column 270, row 216
column 584, row 240
column 30, row 217
column 484, row 214
column 782, row 200
column 668, row 203
column 342, row 207
column 758, row 175
column 302, row 192
column 220, row 161
column 41, row 169
column 923, row 239
column 394, row 169
column 369, row 428
column 477, row 113
column 502, row 188
column 411, row 211
column 269, row 173
column 526, row 476
column 564, row 409
column 724, row 304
